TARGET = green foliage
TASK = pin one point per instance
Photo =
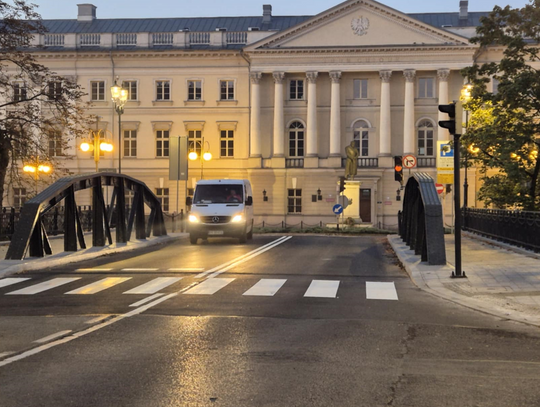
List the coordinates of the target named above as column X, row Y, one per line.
column 505, row 125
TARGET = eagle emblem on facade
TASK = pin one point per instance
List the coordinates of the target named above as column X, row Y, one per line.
column 360, row 25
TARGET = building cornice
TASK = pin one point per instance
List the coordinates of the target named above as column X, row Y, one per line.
column 135, row 54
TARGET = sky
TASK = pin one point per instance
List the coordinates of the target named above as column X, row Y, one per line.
column 67, row 9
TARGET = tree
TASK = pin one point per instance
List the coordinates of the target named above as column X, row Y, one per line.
column 35, row 102
column 505, row 123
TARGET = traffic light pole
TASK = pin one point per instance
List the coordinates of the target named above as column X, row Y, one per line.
column 458, row 273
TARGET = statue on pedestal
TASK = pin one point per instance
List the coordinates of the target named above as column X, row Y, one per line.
column 351, row 166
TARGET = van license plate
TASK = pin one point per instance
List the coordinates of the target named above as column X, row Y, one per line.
column 215, row 232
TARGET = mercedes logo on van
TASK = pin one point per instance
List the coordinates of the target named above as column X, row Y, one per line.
column 215, row 219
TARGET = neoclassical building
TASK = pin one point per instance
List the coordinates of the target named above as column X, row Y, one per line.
column 275, row 99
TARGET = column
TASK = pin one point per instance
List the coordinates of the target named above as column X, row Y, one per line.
column 385, row 140
column 335, row 115
column 279, row 120
column 443, row 134
column 408, row 118
column 255, row 131
column 311, row 142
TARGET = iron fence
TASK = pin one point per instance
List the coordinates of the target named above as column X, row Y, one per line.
column 519, row 228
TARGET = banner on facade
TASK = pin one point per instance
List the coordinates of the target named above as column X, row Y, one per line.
column 178, row 159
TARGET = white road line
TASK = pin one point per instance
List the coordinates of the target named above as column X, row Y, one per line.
column 97, row 319
column 145, row 300
column 243, row 260
column 4, row 354
column 86, row 270
column 154, row 285
column 241, row 257
column 47, row 285
column 210, row 286
column 9, row 281
column 381, row 291
column 322, row 289
column 266, row 287
column 53, row 336
column 140, row 269
column 99, row 285
column 188, row 269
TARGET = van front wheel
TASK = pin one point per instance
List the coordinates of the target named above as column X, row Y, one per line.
column 193, row 239
column 243, row 238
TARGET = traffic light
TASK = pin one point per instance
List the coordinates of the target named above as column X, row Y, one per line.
column 455, row 112
column 398, row 168
column 341, row 184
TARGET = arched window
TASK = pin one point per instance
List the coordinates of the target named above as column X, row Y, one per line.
column 361, row 137
column 425, row 139
column 296, row 139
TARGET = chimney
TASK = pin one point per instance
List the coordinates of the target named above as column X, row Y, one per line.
column 463, row 10
column 267, row 13
column 87, row 12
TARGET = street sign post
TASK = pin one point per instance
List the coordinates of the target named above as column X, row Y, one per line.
column 440, row 188
column 445, row 162
column 409, row 161
column 337, row 209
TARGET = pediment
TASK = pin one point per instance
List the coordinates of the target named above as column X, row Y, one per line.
column 359, row 23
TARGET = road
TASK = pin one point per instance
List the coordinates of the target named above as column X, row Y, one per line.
column 280, row 321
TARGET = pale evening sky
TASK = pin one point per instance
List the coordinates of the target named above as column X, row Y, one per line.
column 67, row 9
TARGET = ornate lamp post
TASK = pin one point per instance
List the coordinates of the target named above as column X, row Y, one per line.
column 204, row 156
column 119, row 98
column 96, row 145
column 35, row 168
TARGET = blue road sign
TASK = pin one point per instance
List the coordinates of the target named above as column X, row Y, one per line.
column 446, row 150
column 337, row 209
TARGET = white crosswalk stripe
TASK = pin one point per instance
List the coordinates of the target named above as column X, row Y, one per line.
column 47, row 285
column 322, row 289
column 381, row 291
column 266, row 287
column 14, row 280
column 99, row 285
column 154, row 286
column 210, row 286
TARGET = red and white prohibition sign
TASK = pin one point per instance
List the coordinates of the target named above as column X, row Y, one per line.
column 409, row 161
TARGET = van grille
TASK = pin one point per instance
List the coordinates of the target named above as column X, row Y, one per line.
column 216, row 219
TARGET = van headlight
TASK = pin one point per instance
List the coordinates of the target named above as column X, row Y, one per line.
column 193, row 219
column 237, row 218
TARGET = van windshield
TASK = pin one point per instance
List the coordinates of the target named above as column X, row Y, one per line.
column 206, row 194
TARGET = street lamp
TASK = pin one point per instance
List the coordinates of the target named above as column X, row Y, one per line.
column 96, row 145
column 35, row 168
column 465, row 97
column 205, row 154
column 119, row 98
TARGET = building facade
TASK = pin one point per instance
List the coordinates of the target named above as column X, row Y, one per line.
column 275, row 99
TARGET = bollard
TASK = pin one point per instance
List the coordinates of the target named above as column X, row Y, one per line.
column 182, row 226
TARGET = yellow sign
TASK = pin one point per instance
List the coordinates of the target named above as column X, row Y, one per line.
column 445, row 178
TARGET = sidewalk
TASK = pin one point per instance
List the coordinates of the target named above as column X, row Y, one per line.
column 60, row 258
column 502, row 280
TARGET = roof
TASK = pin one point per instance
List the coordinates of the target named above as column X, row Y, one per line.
column 450, row 19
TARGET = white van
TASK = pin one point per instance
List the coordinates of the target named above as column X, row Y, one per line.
column 221, row 208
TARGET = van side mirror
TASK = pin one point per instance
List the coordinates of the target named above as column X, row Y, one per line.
column 189, row 201
column 249, row 201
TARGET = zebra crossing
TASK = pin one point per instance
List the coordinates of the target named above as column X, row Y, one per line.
column 265, row 287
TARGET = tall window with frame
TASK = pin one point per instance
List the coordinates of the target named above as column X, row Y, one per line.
column 194, row 90
column 227, row 143
column 130, row 195
column 494, row 86
column 19, row 197
column 97, row 91
column 360, row 88
column 55, row 144
column 162, row 195
column 54, row 90
column 426, row 88
column 130, row 143
column 163, row 90
column 131, row 87
column 425, row 139
column 296, row 89
column 195, row 141
column 19, row 91
column 227, row 90
column 294, row 200
column 361, row 137
column 296, row 139
column 162, row 143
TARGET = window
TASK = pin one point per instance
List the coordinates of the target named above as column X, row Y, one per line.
column 162, row 143
column 296, row 89
column 195, row 141
column 19, row 91
column 361, row 137
column 495, row 85
column 130, row 143
column 294, row 201
column 194, row 90
column 54, row 91
column 163, row 198
column 19, row 197
column 131, row 87
column 360, row 88
column 130, row 195
column 55, row 144
column 425, row 139
column 425, row 88
column 227, row 90
column 163, row 90
column 97, row 90
column 296, row 139
column 227, row 143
